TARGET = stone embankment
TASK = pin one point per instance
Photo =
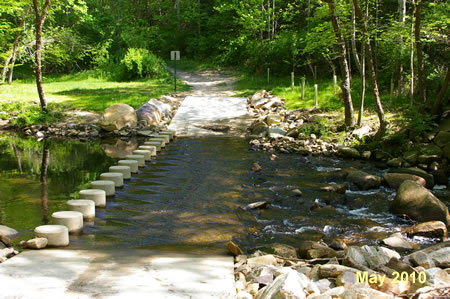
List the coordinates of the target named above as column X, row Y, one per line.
column 119, row 120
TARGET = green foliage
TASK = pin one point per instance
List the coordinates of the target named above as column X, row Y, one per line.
column 141, row 63
column 418, row 122
column 27, row 113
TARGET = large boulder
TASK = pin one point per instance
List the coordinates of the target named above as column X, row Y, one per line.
column 8, row 231
column 163, row 108
column 348, row 152
column 394, row 180
column 418, row 172
column 117, row 117
column 418, row 203
column 149, row 113
column 364, row 180
column 442, row 138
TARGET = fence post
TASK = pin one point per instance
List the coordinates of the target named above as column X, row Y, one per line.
column 316, row 94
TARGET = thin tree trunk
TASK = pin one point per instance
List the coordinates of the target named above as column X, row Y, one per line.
column 354, row 50
column 44, row 186
column 363, row 84
column 399, row 66
column 345, row 71
column 372, row 71
column 411, row 91
column 16, row 153
column 40, row 19
column 16, row 43
column 440, row 97
column 273, row 19
column 419, row 51
column 5, row 68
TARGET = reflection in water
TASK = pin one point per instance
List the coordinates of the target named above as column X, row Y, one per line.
column 190, row 197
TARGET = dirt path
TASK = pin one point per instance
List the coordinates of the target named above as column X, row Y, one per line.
column 207, row 83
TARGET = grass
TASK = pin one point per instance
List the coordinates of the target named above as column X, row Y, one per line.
column 80, row 91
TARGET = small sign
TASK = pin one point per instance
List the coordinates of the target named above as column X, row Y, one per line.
column 174, row 55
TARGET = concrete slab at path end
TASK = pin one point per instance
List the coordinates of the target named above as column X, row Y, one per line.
column 124, row 274
column 211, row 116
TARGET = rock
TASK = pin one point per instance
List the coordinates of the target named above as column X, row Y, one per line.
column 366, row 155
column 288, row 285
column 275, row 132
column 37, row 243
column 117, row 117
column 418, row 172
column 361, row 132
column 418, row 203
column 164, row 109
column 429, row 229
column 274, row 119
column 243, row 295
column 427, row 159
column 430, row 149
column 257, row 205
column 348, row 152
column 398, row 242
column 297, row 192
column 324, row 285
column 169, row 100
column 259, row 128
column 394, row 180
column 292, row 133
column 261, row 261
column 364, row 180
column 396, row 162
column 282, row 250
column 273, row 102
column 365, row 293
column 259, row 95
column 8, row 231
column 256, row 167
column 311, row 249
column 146, row 133
column 338, row 244
column 346, row 279
column 421, row 259
column 5, row 242
column 411, row 156
column 368, row 256
column 446, row 151
column 400, row 266
column 333, row 271
column 338, row 188
column 441, row 257
column 150, row 114
column 234, row 249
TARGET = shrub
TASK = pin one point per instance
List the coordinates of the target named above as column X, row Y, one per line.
column 140, row 63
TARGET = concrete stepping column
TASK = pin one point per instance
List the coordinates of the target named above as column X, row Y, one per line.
column 84, row 206
column 73, row 220
column 96, row 195
column 150, row 148
column 156, row 144
column 57, row 235
column 162, row 141
column 116, row 177
column 139, row 158
column 124, row 170
column 171, row 134
column 147, row 154
column 133, row 164
column 166, row 138
column 108, row 186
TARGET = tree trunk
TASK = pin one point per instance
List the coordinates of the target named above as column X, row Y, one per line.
column 440, row 97
column 16, row 43
column 43, row 179
column 419, row 51
column 40, row 19
column 399, row 65
column 5, row 68
column 372, row 71
column 343, row 64
column 363, row 84
column 354, row 50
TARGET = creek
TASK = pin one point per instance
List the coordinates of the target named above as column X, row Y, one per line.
column 190, row 198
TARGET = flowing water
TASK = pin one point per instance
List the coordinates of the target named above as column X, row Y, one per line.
column 191, row 197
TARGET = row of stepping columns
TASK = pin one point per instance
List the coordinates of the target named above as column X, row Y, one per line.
column 71, row 221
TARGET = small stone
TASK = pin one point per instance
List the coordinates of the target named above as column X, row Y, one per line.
column 8, row 231
column 421, row 259
column 338, row 188
column 256, row 167
column 273, row 157
column 366, row 155
column 257, row 205
column 441, row 257
column 396, row 162
column 234, row 249
column 429, row 229
column 37, row 243
column 297, row 192
column 348, row 152
column 5, row 241
column 397, row 241
column 261, row 261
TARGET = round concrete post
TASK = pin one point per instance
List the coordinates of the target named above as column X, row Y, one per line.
column 147, row 154
column 166, row 138
column 171, row 134
column 116, row 177
column 124, row 170
column 84, row 206
column 57, row 235
column 162, row 142
column 133, row 164
column 150, row 148
column 156, row 144
column 108, row 186
column 96, row 195
column 73, row 220
column 139, row 158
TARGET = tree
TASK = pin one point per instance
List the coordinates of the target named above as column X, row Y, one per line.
column 16, row 43
column 372, row 71
column 419, row 52
column 343, row 64
column 40, row 19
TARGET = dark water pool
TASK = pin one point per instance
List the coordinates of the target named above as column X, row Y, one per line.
column 190, row 197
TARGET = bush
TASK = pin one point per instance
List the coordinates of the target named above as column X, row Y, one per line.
column 140, row 63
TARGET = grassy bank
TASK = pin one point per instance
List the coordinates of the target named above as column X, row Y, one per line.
column 80, row 91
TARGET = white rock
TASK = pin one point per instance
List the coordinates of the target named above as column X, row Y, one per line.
column 289, row 285
column 243, row 295
column 7, row 231
column 163, row 108
column 261, row 261
column 37, row 243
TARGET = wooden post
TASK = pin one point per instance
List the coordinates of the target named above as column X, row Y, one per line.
column 391, row 96
column 316, row 95
column 292, row 80
column 303, row 87
column 334, row 83
column 268, row 76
